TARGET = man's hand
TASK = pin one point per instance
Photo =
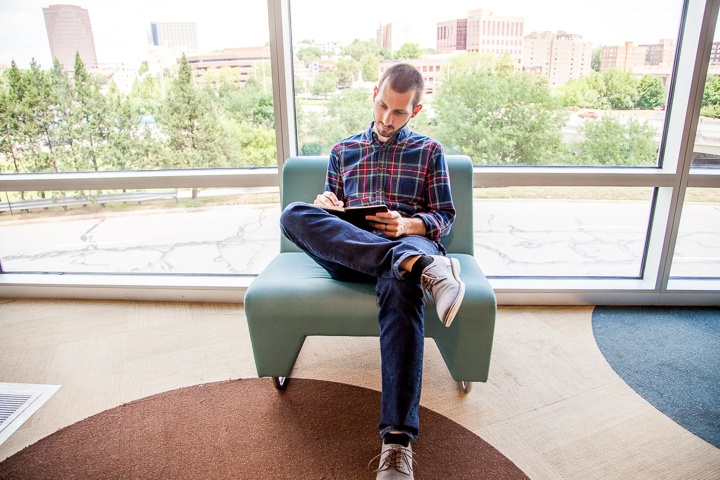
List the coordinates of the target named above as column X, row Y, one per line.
column 393, row 224
column 327, row 199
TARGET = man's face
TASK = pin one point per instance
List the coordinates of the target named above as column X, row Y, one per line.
column 392, row 110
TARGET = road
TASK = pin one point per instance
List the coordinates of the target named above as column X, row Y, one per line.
column 513, row 237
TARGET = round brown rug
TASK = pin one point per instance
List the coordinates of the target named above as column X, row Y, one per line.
column 245, row 429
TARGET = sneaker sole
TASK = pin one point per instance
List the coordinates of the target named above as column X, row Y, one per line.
column 455, row 268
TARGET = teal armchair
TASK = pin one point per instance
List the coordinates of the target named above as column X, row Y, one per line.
column 294, row 298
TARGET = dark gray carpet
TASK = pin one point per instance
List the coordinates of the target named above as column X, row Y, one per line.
column 671, row 357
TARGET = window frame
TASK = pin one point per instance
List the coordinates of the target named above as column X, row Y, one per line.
column 670, row 181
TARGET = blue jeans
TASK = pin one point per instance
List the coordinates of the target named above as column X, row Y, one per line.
column 351, row 254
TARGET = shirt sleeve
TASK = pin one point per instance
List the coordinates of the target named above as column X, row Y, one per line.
column 440, row 212
column 333, row 178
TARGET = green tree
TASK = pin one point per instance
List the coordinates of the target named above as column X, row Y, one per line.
column 408, row 50
column 47, row 108
column 247, row 145
column 324, row 83
column 346, row 71
column 596, row 59
column 711, row 97
column 145, row 97
column 311, row 148
column 359, row 48
column 497, row 116
column 651, row 93
column 309, row 54
column 348, row 112
column 189, row 120
column 576, row 92
column 248, row 103
column 620, row 89
column 90, row 120
column 369, row 67
column 610, row 143
column 10, row 129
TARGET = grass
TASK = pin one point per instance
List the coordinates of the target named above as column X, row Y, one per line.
column 693, row 195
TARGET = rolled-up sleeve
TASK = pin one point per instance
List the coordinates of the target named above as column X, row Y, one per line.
column 440, row 210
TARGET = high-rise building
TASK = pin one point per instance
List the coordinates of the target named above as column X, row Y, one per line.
column 174, row 35
column 624, row 57
column 69, row 32
column 662, row 53
column 715, row 53
column 558, row 56
column 451, row 35
column 429, row 66
column 498, row 35
column 393, row 35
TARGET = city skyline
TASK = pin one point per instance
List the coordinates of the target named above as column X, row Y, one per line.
column 121, row 28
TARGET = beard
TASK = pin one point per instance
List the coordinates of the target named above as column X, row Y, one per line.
column 387, row 132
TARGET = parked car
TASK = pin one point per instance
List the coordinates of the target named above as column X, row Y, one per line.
column 588, row 115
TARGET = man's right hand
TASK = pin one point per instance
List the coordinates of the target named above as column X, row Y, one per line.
column 328, row 199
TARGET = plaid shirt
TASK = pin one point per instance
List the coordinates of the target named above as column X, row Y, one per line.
column 408, row 173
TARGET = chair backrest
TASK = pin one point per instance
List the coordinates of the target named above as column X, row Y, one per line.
column 304, row 177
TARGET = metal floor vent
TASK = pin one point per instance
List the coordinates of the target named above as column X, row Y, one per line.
column 18, row 402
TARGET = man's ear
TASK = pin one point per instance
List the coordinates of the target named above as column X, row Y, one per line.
column 416, row 110
column 375, row 92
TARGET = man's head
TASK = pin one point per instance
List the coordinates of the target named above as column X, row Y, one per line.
column 396, row 99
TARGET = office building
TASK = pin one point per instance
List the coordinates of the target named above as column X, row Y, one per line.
column 624, row 57
column 558, row 56
column 451, row 36
column 715, row 53
column 661, row 53
column 246, row 62
column 393, row 35
column 497, row 35
column 69, row 32
column 167, row 41
column 178, row 35
column 430, row 67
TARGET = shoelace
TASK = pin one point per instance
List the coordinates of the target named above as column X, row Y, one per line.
column 398, row 457
column 427, row 280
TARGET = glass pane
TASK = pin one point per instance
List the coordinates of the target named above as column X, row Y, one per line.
column 697, row 251
column 525, row 83
column 156, row 85
column 211, row 231
column 707, row 139
column 561, row 231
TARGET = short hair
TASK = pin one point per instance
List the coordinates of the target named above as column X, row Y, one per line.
column 402, row 78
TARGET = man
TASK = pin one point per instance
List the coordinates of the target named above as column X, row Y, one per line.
column 388, row 164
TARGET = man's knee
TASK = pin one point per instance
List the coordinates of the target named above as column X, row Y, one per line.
column 291, row 214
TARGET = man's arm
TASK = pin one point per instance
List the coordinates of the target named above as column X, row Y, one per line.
column 437, row 220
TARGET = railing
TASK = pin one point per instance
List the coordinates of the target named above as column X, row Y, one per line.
column 102, row 199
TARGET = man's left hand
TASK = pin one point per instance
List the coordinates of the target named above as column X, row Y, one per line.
column 392, row 224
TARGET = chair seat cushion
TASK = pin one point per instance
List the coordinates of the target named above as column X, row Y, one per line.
column 294, row 285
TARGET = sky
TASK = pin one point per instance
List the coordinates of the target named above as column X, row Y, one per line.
column 120, row 26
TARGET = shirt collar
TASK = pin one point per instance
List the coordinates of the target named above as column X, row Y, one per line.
column 398, row 137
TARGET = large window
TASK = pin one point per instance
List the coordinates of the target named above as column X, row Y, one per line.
column 507, row 84
column 182, row 86
column 594, row 145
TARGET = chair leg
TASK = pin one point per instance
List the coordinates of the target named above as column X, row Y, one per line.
column 275, row 354
column 280, row 383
